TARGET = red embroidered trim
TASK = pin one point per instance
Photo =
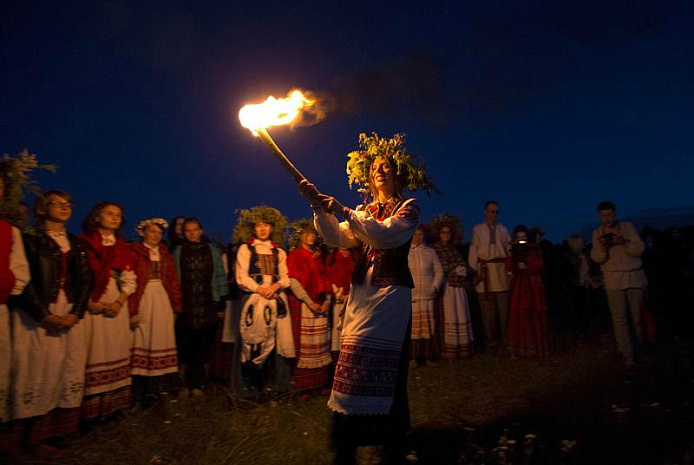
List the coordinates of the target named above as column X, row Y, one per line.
column 149, row 362
column 366, row 371
column 101, row 378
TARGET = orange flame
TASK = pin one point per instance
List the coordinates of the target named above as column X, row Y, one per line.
column 274, row 112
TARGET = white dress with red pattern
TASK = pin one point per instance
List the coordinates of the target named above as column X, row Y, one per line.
column 154, row 341
column 376, row 317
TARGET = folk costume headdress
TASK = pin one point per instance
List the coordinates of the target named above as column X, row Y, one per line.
column 410, row 172
column 243, row 231
column 144, row 224
column 453, row 222
column 299, row 227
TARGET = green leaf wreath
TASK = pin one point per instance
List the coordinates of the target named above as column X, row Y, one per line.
column 408, row 168
column 446, row 219
column 16, row 173
column 297, row 228
column 243, row 231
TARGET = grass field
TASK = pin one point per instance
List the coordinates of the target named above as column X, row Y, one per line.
column 460, row 410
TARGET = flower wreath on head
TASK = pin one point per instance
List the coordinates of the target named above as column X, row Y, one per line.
column 244, row 229
column 298, row 228
column 453, row 222
column 410, row 172
column 146, row 223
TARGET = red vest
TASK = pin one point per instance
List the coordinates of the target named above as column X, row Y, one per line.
column 6, row 275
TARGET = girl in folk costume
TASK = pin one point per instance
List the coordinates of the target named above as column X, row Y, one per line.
column 453, row 311
column 204, row 288
column 427, row 274
column 265, row 326
column 14, row 276
column 49, row 337
column 153, row 306
column 369, row 394
column 109, row 339
column 339, row 266
column 309, row 304
column 527, row 329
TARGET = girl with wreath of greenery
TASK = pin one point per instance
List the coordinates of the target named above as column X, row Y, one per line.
column 372, row 409
column 309, row 305
column 452, row 306
column 453, row 225
column 266, row 343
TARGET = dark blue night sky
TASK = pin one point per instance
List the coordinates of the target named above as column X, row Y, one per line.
column 547, row 107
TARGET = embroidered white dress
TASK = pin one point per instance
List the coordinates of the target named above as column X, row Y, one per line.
column 457, row 336
column 48, row 366
column 154, row 339
column 109, row 340
column 427, row 274
column 376, row 317
column 255, row 305
column 20, row 268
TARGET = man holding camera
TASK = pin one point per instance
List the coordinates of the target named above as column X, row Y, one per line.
column 617, row 247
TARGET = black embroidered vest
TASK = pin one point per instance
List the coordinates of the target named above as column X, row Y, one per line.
column 390, row 266
column 256, row 268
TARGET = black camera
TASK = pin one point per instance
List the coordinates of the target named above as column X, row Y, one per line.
column 519, row 247
column 608, row 239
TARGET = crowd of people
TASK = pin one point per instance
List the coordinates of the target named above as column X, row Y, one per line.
column 91, row 325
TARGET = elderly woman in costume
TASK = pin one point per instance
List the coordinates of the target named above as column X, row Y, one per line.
column 107, row 382
column 427, row 274
column 369, row 395
column 265, row 328
column 309, row 304
column 527, row 330
column 453, row 311
column 153, row 307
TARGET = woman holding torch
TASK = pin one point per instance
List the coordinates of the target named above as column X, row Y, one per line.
column 369, row 394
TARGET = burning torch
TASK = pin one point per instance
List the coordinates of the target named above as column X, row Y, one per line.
column 277, row 112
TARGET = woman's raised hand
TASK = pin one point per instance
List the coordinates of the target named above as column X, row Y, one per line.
column 331, row 204
column 309, row 191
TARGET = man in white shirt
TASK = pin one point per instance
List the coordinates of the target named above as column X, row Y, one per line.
column 617, row 247
column 487, row 256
